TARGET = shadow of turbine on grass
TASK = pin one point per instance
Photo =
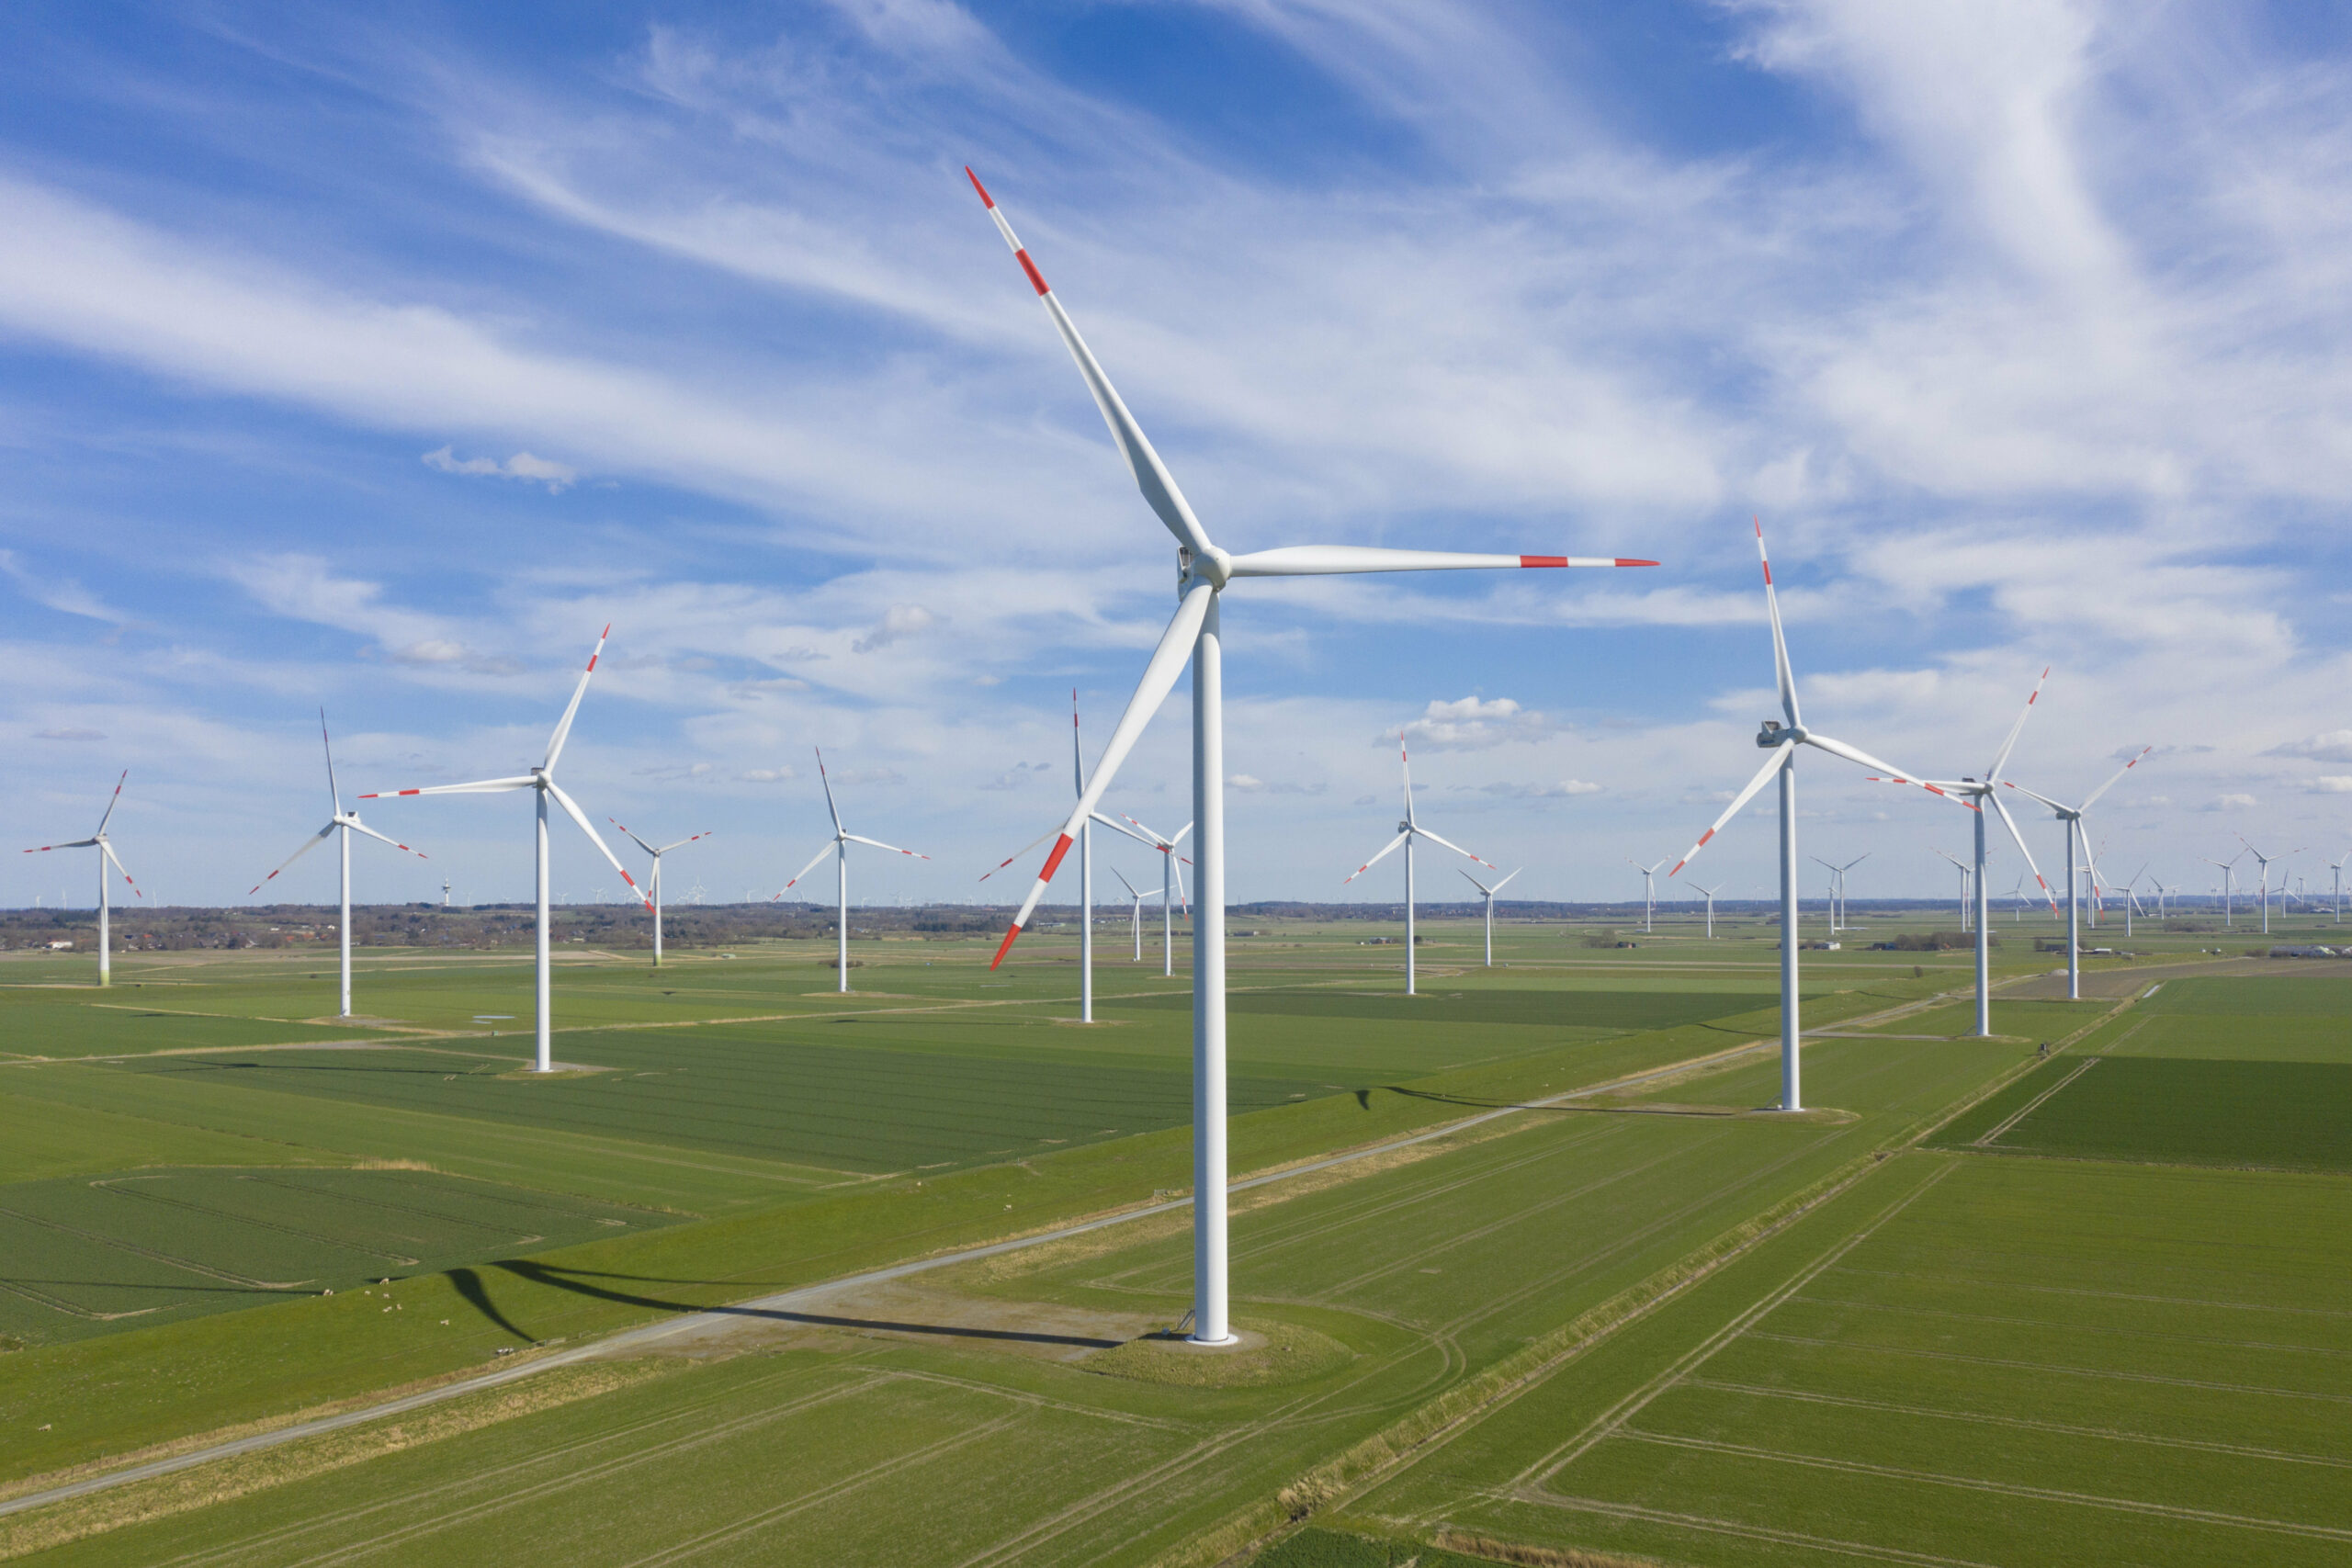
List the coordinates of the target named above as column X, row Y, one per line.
column 580, row 1282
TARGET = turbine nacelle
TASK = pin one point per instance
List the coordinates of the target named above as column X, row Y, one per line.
column 1774, row 733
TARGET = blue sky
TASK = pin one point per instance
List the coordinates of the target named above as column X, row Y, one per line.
column 378, row 356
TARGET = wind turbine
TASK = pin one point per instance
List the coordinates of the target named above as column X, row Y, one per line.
column 541, row 780
column 2265, row 860
column 1407, row 831
column 1967, row 874
column 445, row 892
column 2229, row 875
column 1838, row 889
column 1490, row 894
column 1134, row 908
column 1710, row 892
column 654, row 881
column 2016, row 899
column 1202, row 572
column 343, row 824
column 2337, row 866
column 1784, row 743
column 2073, row 817
column 838, row 847
column 99, row 841
column 1648, row 898
column 1085, row 873
column 1976, row 794
column 1171, row 878
column 2132, row 899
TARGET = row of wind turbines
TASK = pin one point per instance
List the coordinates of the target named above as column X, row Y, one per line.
column 1194, row 636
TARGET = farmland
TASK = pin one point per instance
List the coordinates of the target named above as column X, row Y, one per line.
column 1618, row 1321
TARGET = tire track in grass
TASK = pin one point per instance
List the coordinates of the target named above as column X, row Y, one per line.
column 621, row 1465
column 474, row 1481
column 1977, row 1483
column 1849, row 1347
column 2100, row 1295
column 2148, row 1333
column 1635, row 1514
column 1531, row 1479
column 1988, row 1139
column 2021, row 1423
column 694, row 1546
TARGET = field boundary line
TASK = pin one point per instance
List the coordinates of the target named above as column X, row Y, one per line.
column 1614, row 1419
column 628, row 1339
column 2094, row 1328
column 2062, row 1368
column 2036, row 1103
column 1635, row 1512
column 1997, row 1488
column 2104, row 1295
column 2025, row 1423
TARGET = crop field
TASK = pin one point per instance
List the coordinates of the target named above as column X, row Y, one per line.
column 1996, row 1362
column 947, row 1452
column 99, row 1254
column 1660, row 1320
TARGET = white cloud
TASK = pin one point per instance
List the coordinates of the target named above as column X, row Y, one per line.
column 2332, row 783
column 69, row 734
column 1475, row 724
column 2229, row 803
column 557, row 477
column 2335, row 746
column 900, row 621
column 58, row 594
column 1564, row 789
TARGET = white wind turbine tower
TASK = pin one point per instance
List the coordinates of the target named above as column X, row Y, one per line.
column 1488, row 893
column 1838, row 889
column 2229, row 874
column 1202, row 572
column 1710, row 893
column 2072, row 816
column 1966, row 873
column 541, row 780
column 2132, row 899
column 1782, row 744
column 654, row 882
column 100, row 842
column 1976, row 794
column 2336, row 868
column 1649, row 884
column 1134, row 908
column 2264, row 862
column 1407, row 831
column 1171, row 878
column 343, row 824
column 838, row 847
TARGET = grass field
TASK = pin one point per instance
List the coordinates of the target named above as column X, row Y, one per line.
column 1659, row 1321
column 100, row 1254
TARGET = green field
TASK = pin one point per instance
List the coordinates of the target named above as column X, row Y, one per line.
column 1976, row 1306
column 101, row 1254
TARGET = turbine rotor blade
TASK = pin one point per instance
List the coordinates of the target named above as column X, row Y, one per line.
column 640, row 843
column 1023, row 850
column 1376, row 859
column 1116, row 827
column 1781, row 670
column 1332, row 560
column 312, row 843
column 2117, row 779
column 74, row 844
column 107, row 850
column 1772, row 764
column 2003, row 812
column 1457, row 849
column 826, row 779
column 877, row 843
column 1475, row 883
column 1837, row 748
column 1159, row 679
column 563, row 725
column 830, row 845
column 1152, row 475
column 1994, row 775
column 1498, row 886
column 334, row 790
column 358, row 827
column 483, row 786
column 571, row 809
column 112, row 801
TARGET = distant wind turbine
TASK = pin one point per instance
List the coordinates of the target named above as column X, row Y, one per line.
column 2264, row 860
column 838, row 847
column 1966, row 874
column 1710, row 893
column 2072, row 816
column 99, row 841
column 1649, row 897
column 1134, row 908
column 654, row 881
column 342, row 824
column 1407, row 831
column 1488, row 893
column 541, row 780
